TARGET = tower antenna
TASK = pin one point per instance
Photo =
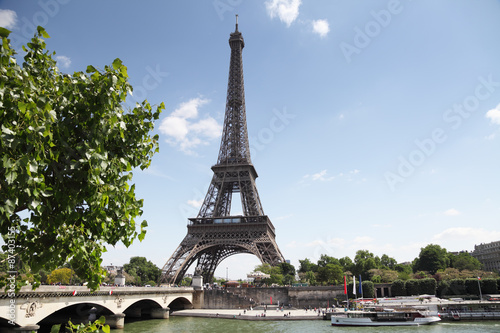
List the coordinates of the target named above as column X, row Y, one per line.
column 236, row 22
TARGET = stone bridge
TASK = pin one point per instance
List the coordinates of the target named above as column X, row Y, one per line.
column 26, row 310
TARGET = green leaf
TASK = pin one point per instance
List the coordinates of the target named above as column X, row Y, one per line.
column 42, row 32
column 22, row 106
column 117, row 63
column 106, row 329
column 10, row 176
column 55, row 328
column 4, row 33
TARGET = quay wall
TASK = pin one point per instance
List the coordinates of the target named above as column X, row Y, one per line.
column 297, row 297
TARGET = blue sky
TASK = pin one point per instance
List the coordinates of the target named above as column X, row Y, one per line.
column 373, row 125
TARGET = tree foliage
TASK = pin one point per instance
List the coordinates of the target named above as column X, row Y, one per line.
column 363, row 262
column 464, row 261
column 142, row 270
column 431, row 259
column 67, row 150
column 331, row 274
column 61, row 275
column 306, row 265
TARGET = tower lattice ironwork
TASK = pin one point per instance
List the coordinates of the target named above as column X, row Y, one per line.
column 215, row 234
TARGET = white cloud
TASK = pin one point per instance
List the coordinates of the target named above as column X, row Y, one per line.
column 189, row 109
column 63, row 61
column 494, row 115
column 285, row 217
column 491, row 136
column 185, row 131
column 322, row 176
column 470, row 235
column 195, row 203
column 452, row 212
column 8, row 18
column 286, row 10
column 321, row 27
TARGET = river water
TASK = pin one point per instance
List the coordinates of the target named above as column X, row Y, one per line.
column 211, row 325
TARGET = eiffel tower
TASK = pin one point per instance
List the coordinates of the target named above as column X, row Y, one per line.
column 215, row 234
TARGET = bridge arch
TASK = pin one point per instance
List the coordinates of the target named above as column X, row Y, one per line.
column 141, row 309
column 77, row 313
column 180, row 303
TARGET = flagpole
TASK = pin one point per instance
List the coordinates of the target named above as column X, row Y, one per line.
column 360, row 286
column 345, row 292
column 479, row 285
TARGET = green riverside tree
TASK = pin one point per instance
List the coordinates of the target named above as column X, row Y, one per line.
column 431, row 259
column 143, row 270
column 67, row 151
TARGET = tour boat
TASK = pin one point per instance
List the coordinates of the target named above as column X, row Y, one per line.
column 383, row 318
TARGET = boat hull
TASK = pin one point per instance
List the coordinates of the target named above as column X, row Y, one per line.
column 345, row 321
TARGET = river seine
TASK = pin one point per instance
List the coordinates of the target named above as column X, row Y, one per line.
column 210, row 325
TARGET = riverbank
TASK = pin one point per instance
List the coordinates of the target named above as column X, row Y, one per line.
column 256, row 314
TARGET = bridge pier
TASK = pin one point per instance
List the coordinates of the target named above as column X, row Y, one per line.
column 161, row 313
column 115, row 321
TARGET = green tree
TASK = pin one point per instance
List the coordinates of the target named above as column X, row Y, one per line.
column 288, row 272
column 142, row 270
column 346, row 263
column 431, row 259
column 311, row 278
column 67, row 151
column 464, row 261
column 186, row 281
column 276, row 276
column 61, row 275
column 387, row 261
column 330, row 274
column 325, row 260
column 363, row 262
column 384, row 275
column 287, row 269
column 306, row 265
column 404, row 271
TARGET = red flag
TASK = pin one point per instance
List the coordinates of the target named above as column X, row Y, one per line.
column 479, row 278
column 345, row 286
column 74, row 292
column 271, row 300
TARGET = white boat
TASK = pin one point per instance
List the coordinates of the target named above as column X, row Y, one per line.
column 383, row 318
